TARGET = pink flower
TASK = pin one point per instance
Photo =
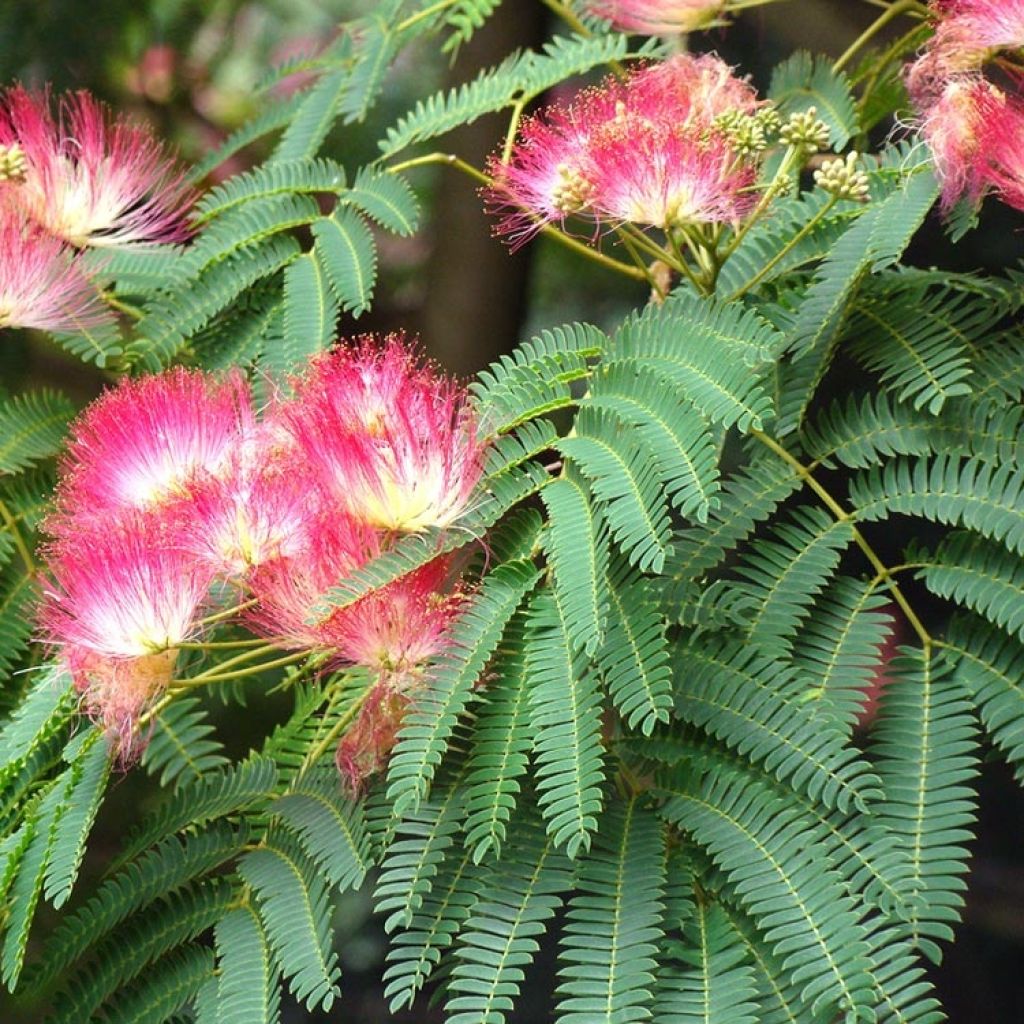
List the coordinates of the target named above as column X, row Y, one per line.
column 258, row 508
column 393, row 442
column 391, row 630
column 971, row 27
column 654, row 17
column 646, row 151
column 1005, row 149
column 363, row 750
column 122, row 591
column 42, row 284
column 401, row 626
column 958, row 124
column 650, row 174
column 148, row 441
column 90, row 178
column 116, row 691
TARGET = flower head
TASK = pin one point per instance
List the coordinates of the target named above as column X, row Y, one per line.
column 89, row 178
column 146, row 441
column 393, row 442
column 258, row 507
column 664, row 148
column 657, row 17
column 363, row 750
column 392, row 630
column 1005, row 149
column 652, row 174
column 42, row 284
column 116, row 691
column 967, row 29
column 124, row 590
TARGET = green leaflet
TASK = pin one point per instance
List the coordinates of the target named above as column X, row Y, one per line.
column 925, row 760
column 565, row 712
column 347, row 254
column 432, row 716
column 32, row 428
column 614, row 922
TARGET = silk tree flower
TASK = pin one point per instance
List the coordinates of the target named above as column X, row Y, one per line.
column 364, row 748
column 968, row 29
column 147, row 441
column 392, row 630
column 117, row 603
column 88, row 177
column 1004, row 141
column 651, row 174
column 647, row 151
column 959, row 125
column 42, row 284
column 392, row 441
column 258, row 508
column 657, row 17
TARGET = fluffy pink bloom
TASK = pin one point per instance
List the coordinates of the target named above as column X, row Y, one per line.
column 958, row 125
column 645, row 151
column 654, row 17
column 974, row 26
column 650, row 174
column 393, row 442
column 690, row 91
column 257, row 508
column 399, row 627
column 363, row 750
column 116, row 691
column 1005, row 151
column 147, row 441
column 391, row 630
column 90, row 178
column 122, row 591
column 42, row 284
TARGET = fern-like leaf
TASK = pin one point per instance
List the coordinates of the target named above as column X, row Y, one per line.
column 32, row 427
column 348, row 255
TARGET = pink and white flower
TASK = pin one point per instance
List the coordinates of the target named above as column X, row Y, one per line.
column 393, row 629
column 646, row 151
column 394, row 443
column 42, row 283
column 147, row 441
column 122, row 591
column 657, row 17
column 260, row 507
column 972, row 27
column 90, row 178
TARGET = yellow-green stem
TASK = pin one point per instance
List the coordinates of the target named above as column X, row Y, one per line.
column 227, row 613
column 889, row 14
column 427, row 12
column 24, row 552
column 785, row 250
column 841, row 515
column 336, row 730
column 206, row 678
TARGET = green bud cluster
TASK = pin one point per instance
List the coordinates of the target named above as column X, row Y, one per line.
column 842, row 178
column 805, row 131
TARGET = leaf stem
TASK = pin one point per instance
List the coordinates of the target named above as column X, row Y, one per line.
column 842, row 516
column 24, row 551
column 227, row 613
column 785, row 250
column 427, row 12
column 549, row 230
column 124, row 307
column 250, row 670
column 889, row 14
column 336, row 730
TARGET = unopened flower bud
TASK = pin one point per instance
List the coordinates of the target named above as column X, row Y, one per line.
column 12, row 163
column 745, row 132
column 806, row 131
column 842, row 178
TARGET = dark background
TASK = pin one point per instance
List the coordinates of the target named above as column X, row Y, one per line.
column 191, row 68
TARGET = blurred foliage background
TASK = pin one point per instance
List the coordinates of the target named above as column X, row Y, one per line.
column 195, row 69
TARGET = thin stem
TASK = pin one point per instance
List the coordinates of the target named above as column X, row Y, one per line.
column 773, row 187
column 24, row 551
column 785, row 250
column 563, row 12
column 549, row 230
column 513, row 127
column 638, row 259
column 238, row 659
column 124, row 307
column 250, row 670
column 842, row 516
column 427, row 12
column 889, row 14
column 336, row 730
column 227, row 613
column 221, row 645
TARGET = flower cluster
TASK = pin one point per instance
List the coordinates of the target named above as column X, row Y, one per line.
column 973, row 122
column 657, row 17
column 175, row 499
column 656, row 150
column 77, row 180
